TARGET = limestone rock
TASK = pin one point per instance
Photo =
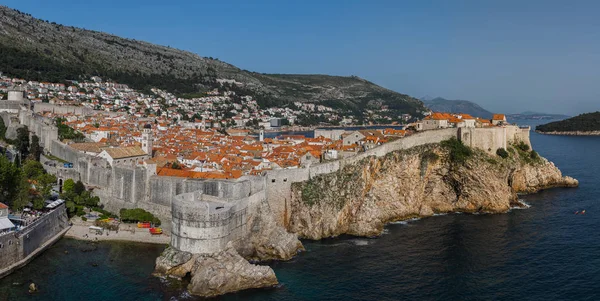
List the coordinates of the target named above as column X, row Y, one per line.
column 174, row 263
column 226, row 272
column 266, row 240
column 362, row 197
column 214, row 274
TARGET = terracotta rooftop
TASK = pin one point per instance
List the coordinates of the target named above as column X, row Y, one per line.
column 498, row 117
column 92, row 147
column 125, row 152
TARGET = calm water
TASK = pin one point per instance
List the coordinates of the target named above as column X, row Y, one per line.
column 541, row 253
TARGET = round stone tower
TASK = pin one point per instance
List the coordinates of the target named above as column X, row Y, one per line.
column 204, row 226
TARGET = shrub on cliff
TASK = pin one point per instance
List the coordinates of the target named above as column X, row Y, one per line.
column 534, row 155
column 502, row 153
column 459, row 153
column 523, row 146
column 310, row 193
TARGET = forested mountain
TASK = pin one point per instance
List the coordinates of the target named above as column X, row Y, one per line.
column 39, row 50
column 439, row 104
column 581, row 123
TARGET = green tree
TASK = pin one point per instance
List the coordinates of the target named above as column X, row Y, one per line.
column 22, row 142
column 10, row 181
column 138, row 215
column 45, row 183
column 67, row 132
column 2, row 129
column 35, row 150
column 79, row 188
column 68, row 186
column 32, row 169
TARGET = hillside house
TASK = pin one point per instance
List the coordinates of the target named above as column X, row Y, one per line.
column 435, row 121
column 352, row 138
column 498, row 119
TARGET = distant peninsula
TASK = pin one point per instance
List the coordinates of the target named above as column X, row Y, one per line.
column 584, row 124
column 528, row 115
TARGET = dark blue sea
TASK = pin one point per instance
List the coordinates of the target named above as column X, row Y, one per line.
column 545, row 252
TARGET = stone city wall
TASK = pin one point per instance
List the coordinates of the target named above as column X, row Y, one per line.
column 60, row 109
column 42, row 127
column 17, row 247
column 139, row 187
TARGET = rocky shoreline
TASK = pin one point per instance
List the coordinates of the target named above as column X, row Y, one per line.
column 360, row 200
column 420, row 182
column 571, row 133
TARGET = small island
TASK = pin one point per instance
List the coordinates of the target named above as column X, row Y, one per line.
column 587, row 124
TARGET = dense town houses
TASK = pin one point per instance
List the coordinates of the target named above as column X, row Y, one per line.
column 204, row 136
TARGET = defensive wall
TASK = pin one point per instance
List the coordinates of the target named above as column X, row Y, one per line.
column 42, row 127
column 18, row 248
column 140, row 187
column 279, row 181
column 60, row 109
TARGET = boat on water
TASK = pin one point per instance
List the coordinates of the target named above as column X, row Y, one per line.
column 156, row 231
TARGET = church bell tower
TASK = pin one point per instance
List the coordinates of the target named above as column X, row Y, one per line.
column 147, row 139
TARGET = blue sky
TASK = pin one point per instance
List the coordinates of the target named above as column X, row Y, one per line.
column 508, row 56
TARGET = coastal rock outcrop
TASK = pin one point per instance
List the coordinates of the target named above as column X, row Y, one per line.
column 362, row 197
column 215, row 274
column 228, row 270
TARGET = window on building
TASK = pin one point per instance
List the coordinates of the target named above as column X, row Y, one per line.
column 273, row 181
column 285, row 180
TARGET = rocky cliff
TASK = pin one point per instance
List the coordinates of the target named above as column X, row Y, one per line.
column 361, row 198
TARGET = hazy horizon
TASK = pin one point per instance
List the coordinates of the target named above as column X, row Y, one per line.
column 506, row 56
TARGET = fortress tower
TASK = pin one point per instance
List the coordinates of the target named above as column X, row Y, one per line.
column 147, row 139
column 14, row 102
column 16, row 94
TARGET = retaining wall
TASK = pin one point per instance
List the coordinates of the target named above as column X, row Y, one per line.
column 17, row 247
